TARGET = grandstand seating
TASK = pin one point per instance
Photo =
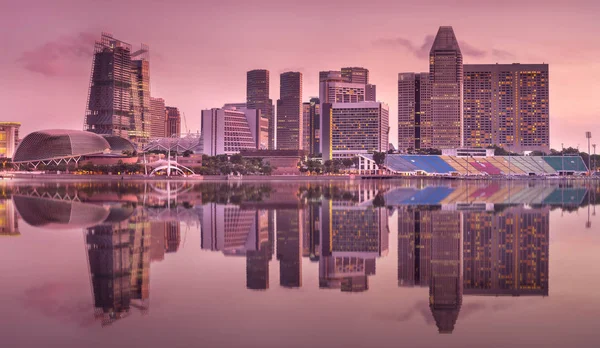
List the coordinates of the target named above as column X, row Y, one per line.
column 430, row 164
column 498, row 165
column 486, row 167
column 571, row 163
column 398, row 164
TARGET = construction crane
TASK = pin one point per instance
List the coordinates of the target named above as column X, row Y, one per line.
column 185, row 123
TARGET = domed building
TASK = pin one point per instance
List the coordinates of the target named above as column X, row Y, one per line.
column 72, row 146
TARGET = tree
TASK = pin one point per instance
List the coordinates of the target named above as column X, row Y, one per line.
column 187, row 153
column 237, row 158
column 379, row 158
column 347, row 162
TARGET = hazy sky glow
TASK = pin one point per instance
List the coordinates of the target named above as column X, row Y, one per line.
column 200, row 50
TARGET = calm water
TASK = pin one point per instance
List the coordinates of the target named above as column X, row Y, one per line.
column 386, row 264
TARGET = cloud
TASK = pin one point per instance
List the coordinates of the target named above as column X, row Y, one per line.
column 472, row 51
column 502, row 54
column 54, row 300
column 422, row 51
column 53, row 58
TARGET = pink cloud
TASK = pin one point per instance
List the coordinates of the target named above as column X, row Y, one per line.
column 52, row 58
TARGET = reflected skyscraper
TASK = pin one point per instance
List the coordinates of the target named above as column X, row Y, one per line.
column 289, row 224
column 507, row 253
column 257, row 261
column 9, row 225
column 119, row 257
column 446, row 287
column 476, row 252
column 353, row 235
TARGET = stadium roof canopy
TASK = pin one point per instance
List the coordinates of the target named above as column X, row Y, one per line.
column 56, row 145
column 189, row 142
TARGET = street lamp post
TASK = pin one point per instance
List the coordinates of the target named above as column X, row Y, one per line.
column 562, row 153
column 594, row 146
column 588, row 136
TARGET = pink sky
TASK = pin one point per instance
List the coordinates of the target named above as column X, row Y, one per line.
column 200, row 50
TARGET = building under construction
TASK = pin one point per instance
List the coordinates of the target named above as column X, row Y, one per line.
column 119, row 93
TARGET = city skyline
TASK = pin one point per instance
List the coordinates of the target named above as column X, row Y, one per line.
column 32, row 65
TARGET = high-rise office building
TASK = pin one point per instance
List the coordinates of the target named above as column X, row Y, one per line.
column 344, row 92
column 311, row 125
column 370, row 92
column 142, row 120
column 306, row 125
column 289, row 112
column 355, row 128
column 356, row 75
column 446, row 78
column 414, row 98
column 227, row 131
column 9, row 138
column 257, row 97
column 158, row 115
column 119, row 93
column 173, row 122
column 507, row 105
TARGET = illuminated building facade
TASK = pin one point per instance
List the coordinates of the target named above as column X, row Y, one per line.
column 311, row 118
column 9, row 138
column 9, row 225
column 414, row 101
column 446, row 79
column 173, row 122
column 257, row 97
column 506, row 253
column 289, row 112
column 158, row 114
column 227, row 131
column 507, row 105
column 356, row 128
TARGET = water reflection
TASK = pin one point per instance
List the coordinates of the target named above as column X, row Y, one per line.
column 456, row 240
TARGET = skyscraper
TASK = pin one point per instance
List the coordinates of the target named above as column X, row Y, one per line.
column 157, row 118
column 142, row 121
column 507, row 105
column 356, row 128
column 311, row 125
column 119, row 93
column 173, row 122
column 446, row 78
column 257, row 97
column 356, row 75
column 226, row 131
column 370, row 92
column 289, row 112
column 414, row 130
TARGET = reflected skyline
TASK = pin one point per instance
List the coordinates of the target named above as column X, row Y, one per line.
column 456, row 241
